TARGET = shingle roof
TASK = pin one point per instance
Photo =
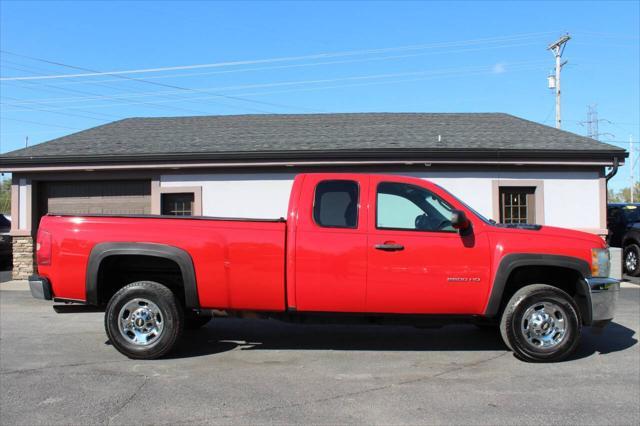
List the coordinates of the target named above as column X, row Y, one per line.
column 307, row 133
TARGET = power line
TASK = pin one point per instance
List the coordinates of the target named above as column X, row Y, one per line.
column 56, row 112
column 40, row 89
column 306, row 89
column 611, row 35
column 91, row 73
column 164, row 107
column 31, row 132
column 22, row 67
column 168, row 85
column 431, row 75
column 548, row 116
column 58, row 100
column 311, row 64
column 517, row 37
column 31, row 85
column 610, row 122
column 109, row 86
column 375, row 83
column 39, row 123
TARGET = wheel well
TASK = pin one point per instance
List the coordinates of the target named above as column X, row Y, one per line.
column 119, row 270
column 566, row 279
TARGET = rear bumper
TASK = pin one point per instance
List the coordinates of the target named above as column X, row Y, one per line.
column 604, row 297
column 40, row 287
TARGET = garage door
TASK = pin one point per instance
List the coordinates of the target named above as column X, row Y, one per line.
column 96, row 197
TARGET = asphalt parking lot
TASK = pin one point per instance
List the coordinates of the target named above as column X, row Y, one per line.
column 60, row 369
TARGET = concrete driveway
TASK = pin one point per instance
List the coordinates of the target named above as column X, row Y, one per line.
column 60, row 369
column 634, row 280
column 5, row 276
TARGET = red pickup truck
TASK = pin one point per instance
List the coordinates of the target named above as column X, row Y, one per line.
column 354, row 247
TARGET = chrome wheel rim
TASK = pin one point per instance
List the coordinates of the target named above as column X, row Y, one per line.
column 544, row 326
column 631, row 261
column 140, row 322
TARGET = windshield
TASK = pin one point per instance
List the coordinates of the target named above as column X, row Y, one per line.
column 4, row 222
column 631, row 214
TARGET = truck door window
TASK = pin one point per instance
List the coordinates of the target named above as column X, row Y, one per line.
column 336, row 204
column 409, row 207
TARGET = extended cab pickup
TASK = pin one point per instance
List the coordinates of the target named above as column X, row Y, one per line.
column 355, row 247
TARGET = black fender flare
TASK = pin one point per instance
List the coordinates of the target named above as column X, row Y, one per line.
column 512, row 261
column 628, row 240
column 104, row 250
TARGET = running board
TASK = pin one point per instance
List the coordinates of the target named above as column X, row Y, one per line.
column 75, row 309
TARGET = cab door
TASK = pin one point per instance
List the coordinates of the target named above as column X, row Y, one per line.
column 331, row 244
column 417, row 262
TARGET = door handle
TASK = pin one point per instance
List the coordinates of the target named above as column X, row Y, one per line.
column 389, row 247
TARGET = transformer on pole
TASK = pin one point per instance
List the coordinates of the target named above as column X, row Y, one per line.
column 557, row 48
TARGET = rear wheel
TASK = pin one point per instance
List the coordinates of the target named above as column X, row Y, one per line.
column 541, row 323
column 632, row 260
column 144, row 320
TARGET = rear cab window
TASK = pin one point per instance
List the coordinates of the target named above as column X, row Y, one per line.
column 336, row 204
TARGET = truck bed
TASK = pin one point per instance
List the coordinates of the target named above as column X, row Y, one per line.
column 238, row 263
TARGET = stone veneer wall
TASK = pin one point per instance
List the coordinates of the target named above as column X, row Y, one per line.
column 23, row 257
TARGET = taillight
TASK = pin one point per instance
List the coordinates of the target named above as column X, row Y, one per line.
column 43, row 248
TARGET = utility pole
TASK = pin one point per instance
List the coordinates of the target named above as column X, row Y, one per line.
column 557, row 48
column 633, row 167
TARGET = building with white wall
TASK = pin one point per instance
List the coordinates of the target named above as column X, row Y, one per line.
column 506, row 168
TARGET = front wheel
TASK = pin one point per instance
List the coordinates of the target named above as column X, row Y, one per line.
column 541, row 323
column 144, row 320
column 632, row 260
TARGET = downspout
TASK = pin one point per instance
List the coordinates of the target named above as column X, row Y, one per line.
column 608, row 176
column 612, row 173
column 614, row 169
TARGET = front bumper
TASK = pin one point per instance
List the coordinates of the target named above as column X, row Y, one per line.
column 604, row 297
column 40, row 287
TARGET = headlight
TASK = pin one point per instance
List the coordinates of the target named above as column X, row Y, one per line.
column 600, row 262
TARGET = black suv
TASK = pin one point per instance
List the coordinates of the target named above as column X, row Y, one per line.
column 623, row 222
column 5, row 243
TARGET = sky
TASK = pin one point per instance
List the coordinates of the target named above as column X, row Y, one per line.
column 205, row 58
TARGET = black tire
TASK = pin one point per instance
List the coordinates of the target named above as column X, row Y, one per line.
column 164, row 302
column 537, row 299
column 631, row 260
column 193, row 321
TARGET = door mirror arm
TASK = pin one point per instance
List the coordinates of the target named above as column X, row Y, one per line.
column 460, row 222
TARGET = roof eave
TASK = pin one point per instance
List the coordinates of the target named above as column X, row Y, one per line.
column 275, row 158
